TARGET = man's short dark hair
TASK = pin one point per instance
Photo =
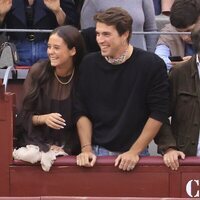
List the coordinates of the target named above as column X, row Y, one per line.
column 184, row 13
column 117, row 17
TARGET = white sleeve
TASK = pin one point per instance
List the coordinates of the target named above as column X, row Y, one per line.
column 163, row 52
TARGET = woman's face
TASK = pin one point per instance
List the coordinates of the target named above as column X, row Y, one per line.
column 58, row 51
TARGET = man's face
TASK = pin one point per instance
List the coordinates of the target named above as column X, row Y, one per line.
column 186, row 38
column 110, row 42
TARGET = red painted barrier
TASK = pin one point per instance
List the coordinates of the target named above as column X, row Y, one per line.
column 85, row 198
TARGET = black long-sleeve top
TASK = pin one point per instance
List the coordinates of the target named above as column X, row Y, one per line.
column 118, row 99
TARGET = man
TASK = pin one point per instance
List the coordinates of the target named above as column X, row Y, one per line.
column 121, row 98
column 183, row 16
column 181, row 138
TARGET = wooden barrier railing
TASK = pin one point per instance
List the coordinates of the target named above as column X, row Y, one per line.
column 85, row 198
column 15, row 81
column 150, row 178
column 7, row 110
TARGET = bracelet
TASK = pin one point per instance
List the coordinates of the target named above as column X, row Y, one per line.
column 37, row 121
column 82, row 147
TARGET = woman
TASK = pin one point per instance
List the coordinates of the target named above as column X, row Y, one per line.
column 142, row 12
column 45, row 119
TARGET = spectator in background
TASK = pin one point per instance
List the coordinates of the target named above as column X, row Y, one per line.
column 166, row 6
column 142, row 12
column 157, row 6
column 163, row 6
column 34, row 14
column 181, row 137
column 45, row 118
column 78, row 5
column 183, row 16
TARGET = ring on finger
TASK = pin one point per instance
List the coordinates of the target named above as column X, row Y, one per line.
column 130, row 167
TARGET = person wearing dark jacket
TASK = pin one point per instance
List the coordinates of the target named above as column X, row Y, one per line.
column 180, row 137
column 34, row 14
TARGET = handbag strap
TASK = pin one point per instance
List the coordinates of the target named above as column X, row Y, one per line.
column 9, row 70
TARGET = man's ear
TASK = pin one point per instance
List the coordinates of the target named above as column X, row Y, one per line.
column 126, row 35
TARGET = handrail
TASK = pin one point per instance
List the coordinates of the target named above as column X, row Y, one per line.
column 134, row 32
column 25, row 30
column 110, row 160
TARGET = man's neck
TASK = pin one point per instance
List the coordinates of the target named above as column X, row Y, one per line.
column 122, row 58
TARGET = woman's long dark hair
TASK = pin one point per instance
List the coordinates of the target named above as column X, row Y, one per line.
column 73, row 38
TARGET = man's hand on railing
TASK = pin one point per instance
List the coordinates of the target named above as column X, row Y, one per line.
column 86, row 159
column 127, row 161
column 171, row 158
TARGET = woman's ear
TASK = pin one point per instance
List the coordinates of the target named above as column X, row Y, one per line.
column 73, row 51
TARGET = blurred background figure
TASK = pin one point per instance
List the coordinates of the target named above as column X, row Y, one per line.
column 34, row 14
column 142, row 12
column 163, row 6
column 180, row 137
column 183, row 17
column 78, row 5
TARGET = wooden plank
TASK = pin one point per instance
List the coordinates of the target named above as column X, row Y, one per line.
column 16, row 86
column 97, row 181
column 151, row 178
column 6, row 141
column 67, row 179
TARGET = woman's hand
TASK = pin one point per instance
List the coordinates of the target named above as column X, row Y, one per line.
column 52, row 120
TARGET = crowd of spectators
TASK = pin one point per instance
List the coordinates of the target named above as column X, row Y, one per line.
column 34, row 14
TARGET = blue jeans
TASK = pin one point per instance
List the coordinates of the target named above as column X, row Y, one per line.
column 101, row 151
column 30, row 52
